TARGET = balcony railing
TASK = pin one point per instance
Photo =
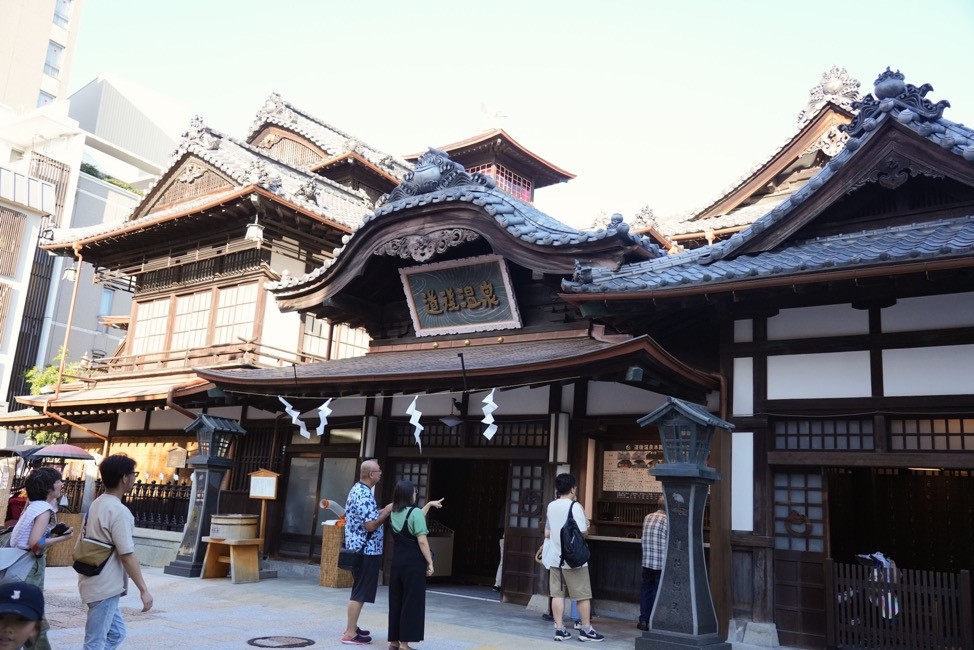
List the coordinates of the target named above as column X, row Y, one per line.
column 249, row 352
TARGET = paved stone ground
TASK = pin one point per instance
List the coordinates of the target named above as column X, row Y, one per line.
column 215, row 614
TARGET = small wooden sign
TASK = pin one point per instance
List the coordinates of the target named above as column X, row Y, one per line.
column 263, row 484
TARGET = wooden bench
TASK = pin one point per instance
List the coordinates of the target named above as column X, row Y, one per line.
column 240, row 555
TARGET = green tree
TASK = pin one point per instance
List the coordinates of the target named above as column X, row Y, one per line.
column 39, row 377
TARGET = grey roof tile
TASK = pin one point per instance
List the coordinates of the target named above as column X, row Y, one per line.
column 940, row 239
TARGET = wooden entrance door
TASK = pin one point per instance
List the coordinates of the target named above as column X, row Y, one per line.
column 526, row 503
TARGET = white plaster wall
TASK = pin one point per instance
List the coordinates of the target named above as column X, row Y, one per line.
column 568, row 398
column 610, row 398
column 168, row 420
column 134, row 420
column 743, row 386
column 816, row 376
column 928, row 371
column 341, row 407
column 929, row 313
column 519, row 401
column 816, row 322
column 257, row 414
column 231, row 412
column 742, row 481
column 743, row 331
column 279, row 330
column 97, row 427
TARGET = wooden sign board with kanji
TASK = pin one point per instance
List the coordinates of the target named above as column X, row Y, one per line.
column 263, row 484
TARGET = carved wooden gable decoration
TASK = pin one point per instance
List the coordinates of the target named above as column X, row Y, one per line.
column 191, row 180
column 288, row 147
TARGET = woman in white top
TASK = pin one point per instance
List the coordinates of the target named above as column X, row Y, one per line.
column 33, row 531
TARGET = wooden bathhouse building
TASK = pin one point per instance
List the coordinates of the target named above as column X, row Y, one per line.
column 823, row 305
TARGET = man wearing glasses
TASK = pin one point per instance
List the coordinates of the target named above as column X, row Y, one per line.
column 363, row 528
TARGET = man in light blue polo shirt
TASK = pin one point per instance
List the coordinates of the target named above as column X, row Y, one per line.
column 363, row 527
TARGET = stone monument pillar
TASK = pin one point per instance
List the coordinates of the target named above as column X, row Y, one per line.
column 684, row 616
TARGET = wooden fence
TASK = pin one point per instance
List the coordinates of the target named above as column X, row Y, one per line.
column 909, row 609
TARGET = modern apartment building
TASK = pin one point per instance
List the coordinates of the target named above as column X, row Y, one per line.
column 37, row 40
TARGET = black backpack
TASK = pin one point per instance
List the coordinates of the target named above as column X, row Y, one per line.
column 574, row 551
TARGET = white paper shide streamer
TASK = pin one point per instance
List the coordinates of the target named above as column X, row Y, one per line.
column 414, row 415
column 489, row 407
column 323, row 411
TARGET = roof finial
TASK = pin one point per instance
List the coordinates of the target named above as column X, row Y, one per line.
column 835, row 86
column 906, row 102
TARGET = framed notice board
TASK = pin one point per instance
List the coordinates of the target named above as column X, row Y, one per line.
column 626, row 492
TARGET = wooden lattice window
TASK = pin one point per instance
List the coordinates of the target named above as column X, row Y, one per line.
column 191, row 321
column 835, row 434
column 799, row 512
column 507, row 181
column 254, row 451
column 6, row 303
column 235, row 313
column 416, row 471
column 12, row 225
column 152, row 320
column 931, row 433
column 434, row 434
column 512, row 434
column 527, row 496
column 316, row 336
column 348, row 342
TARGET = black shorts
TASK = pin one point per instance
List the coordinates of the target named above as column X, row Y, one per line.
column 366, row 579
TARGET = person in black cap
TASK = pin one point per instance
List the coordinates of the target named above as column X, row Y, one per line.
column 21, row 611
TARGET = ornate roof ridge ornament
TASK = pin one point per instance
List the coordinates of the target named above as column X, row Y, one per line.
column 199, row 133
column 434, row 171
column 893, row 93
column 836, row 86
column 275, row 107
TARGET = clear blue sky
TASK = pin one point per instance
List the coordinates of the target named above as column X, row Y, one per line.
column 649, row 103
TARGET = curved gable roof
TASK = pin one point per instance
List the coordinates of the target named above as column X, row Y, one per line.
column 462, row 202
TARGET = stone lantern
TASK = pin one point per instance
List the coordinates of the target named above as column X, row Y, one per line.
column 214, row 435
column 684, row 615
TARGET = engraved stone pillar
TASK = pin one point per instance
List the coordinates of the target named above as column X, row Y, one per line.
column 683, row 616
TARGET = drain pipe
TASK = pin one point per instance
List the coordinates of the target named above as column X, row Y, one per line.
column 171, row 400
column 64, row 357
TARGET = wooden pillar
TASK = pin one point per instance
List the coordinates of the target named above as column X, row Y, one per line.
column 720, row 530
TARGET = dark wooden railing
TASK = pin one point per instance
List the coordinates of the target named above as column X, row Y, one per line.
column 908, row 609
column 162, row 506
column 74, row 492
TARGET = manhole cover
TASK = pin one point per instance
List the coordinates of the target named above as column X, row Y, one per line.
column 280, row 642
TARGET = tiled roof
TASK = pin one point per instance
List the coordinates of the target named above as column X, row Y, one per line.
column 420, row 362
column 714, row 264
column 245, row 165
column 931, row 240
column 522, row 220
column 518, row 360
column 836, row 88
column 334, row 141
